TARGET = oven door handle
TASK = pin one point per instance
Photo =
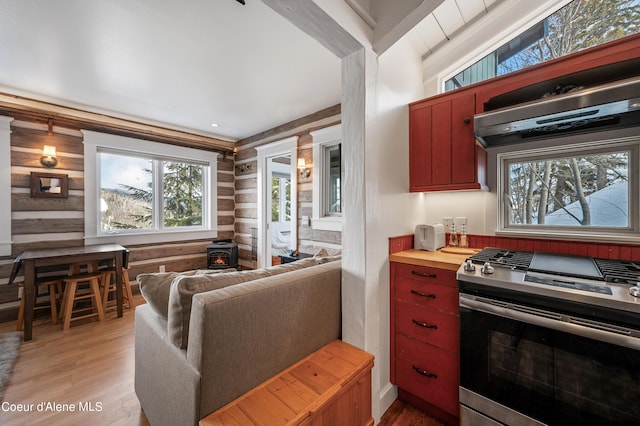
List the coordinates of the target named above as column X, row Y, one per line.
column 590, row 329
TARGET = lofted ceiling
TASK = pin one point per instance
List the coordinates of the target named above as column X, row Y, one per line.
column 447, row 20
column 428, row 23
column 187, row 64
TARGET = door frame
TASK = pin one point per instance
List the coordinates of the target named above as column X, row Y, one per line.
column 288, row 146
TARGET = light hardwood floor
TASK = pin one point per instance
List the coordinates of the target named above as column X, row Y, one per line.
column 88, row 367
column 91, row 366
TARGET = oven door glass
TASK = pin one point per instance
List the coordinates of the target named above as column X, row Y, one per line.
column 554, row 377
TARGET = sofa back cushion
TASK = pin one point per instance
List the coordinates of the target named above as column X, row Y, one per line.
column 184, row 287
column 243, row 334
column 155, row 287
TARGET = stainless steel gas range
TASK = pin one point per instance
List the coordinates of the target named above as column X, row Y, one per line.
column 549, row 339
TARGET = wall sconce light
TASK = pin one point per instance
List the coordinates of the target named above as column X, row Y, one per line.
column 48, row 158
column 303, row 168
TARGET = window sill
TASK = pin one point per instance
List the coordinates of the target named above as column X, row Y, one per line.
column 564, row 235
column 327, row 223
column 152, row 237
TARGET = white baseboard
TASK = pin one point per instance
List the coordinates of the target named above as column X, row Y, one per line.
column 388, row 394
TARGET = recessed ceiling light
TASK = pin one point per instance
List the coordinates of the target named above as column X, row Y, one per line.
column 214, row 124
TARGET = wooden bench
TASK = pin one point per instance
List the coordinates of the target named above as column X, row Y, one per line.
column 332, row 386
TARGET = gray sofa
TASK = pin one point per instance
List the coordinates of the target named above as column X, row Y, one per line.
column 203, row 339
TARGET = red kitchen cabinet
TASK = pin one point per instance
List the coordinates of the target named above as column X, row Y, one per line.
column 425, row 342
column 443, row 152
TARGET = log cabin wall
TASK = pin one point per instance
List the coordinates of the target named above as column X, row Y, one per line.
column 38, row 223
column 246, row 186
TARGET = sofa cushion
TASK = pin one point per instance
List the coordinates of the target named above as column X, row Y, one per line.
column 155, row 287
column 184, row 287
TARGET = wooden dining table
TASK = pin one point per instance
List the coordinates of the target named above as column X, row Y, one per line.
column 31, row 260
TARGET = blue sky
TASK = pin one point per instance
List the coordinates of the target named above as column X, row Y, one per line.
column 116, row 170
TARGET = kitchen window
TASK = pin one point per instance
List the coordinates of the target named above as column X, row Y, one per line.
column 586, row 190
column 146, row 191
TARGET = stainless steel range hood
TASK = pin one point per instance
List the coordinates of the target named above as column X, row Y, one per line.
column 603, row 107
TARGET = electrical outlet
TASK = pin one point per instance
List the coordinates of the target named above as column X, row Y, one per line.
column 448, row 223
column 305, row 221
column 161, row 268
column 460, row 222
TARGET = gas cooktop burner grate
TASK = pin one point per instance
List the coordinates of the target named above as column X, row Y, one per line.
column 619, row 271
column 505, row 258
column 612, row 270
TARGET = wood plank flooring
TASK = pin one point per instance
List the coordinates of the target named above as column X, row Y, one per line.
column 90, row 367
column 402, row 414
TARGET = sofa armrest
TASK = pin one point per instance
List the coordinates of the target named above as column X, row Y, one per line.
column 167, row 386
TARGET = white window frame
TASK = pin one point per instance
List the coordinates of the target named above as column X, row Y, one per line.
column 95, row 141
column 5, row 187
column 592, row 233
column 464, row 51
column 322, row 139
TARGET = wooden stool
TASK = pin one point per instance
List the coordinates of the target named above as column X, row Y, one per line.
column 72, row 294
column 55, row 286
column 108, row 286
column 77, row 268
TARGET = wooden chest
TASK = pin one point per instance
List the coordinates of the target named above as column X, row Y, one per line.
column 332, row 386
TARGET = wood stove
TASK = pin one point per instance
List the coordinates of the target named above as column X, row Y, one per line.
column 222, row 254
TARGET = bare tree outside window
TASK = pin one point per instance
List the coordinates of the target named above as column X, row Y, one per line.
column 582, row 190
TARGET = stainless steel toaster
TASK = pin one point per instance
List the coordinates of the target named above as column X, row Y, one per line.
column 429, row 237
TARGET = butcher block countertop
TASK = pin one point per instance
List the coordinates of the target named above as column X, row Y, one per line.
column 445, row 258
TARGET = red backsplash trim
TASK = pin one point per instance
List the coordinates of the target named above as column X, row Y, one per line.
column 401, row 243
column 583, row 248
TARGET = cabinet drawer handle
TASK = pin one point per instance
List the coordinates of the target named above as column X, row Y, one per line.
column 424, row 373
column 422, row 274
column 424, row 324
column 425, row 295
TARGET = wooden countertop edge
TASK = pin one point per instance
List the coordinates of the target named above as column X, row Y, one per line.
column 433, row 259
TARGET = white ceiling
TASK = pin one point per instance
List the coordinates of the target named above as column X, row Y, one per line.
column 182, row 64
column 446, row 21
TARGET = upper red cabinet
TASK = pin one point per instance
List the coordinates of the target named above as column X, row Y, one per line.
column 442, row 147
column 443, row 152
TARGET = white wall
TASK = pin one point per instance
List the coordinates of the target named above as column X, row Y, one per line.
column 391, row 210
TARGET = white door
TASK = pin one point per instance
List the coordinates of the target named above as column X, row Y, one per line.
column 277, row 201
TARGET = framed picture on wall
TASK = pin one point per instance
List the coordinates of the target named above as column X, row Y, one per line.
column 49, row 185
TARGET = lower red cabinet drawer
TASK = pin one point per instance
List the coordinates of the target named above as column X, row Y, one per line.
column 434, row 327
column 428, row 373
